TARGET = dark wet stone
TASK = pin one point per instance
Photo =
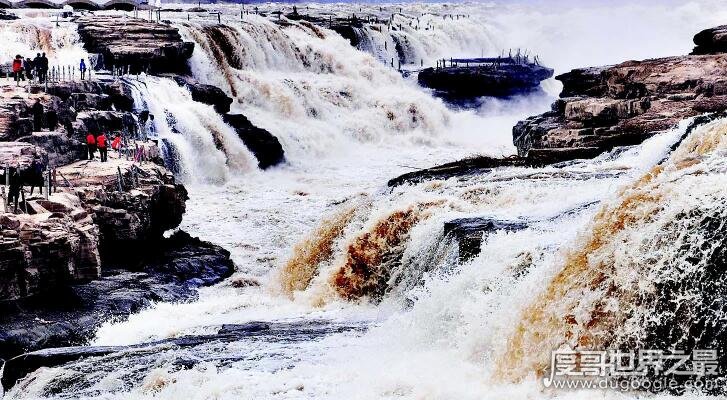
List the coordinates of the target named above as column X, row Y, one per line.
column 262, row 144
column 470, row 232
column 207, row 94
column 169, row 270
column 199, row 348
column 485, row 77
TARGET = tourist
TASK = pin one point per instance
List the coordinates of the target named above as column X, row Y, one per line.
column 28, row 67
column 43, row 68
column 16, row 185
column 18, row 69
column 82, row 68
column 36, row 176
column 37, row 116
column 37, row 64
column 91, row 144
column 51, row 120
column 102, row 150
column 116, row 144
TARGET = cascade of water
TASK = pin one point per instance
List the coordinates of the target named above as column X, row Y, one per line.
column 196, row 143
column 311, row 89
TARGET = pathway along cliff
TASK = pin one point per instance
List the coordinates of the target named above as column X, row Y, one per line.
column 606, row 229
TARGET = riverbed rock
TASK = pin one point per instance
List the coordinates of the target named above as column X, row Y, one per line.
column 135, row 43
column 470, row 232
column 484, row 77
column 197, row 349
column 263, row 144
column 207, row 94
column 605, row 107
column 170, row 271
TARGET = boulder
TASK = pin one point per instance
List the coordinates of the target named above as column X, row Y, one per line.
column 711, row 41
column 103, row 121
column 59, row 147
column 207, row 94
column 469, row 233
column 135, row 43
column 470, row 78
column 262, row 144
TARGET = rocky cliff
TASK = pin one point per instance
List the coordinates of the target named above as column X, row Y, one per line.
column 604, row 107
column 135, row 43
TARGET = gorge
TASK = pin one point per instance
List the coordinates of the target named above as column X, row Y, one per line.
column 504, row 231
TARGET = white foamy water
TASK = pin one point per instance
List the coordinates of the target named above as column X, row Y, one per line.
column 348, row 123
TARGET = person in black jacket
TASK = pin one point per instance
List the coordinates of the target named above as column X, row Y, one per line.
column 35, row 176
column 37, row 64
column 28, row 67
column 16, row 185
column 37, row 116
column 44, row 67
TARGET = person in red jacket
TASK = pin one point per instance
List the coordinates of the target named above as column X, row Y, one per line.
column 91, row 144
column 102, row 148
column 116, row 143
column 18, row 69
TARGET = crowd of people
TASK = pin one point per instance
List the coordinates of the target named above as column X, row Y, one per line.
column 37, row 68
column 101, row 144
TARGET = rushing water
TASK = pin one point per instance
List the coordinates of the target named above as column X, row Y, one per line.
column 422, row 325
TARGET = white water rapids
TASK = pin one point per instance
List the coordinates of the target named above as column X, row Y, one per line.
column 348, row 123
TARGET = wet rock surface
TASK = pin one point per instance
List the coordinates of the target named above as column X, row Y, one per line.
column 266, row 147
column 470, row 232
column 167, row 270
column 135, row 43
column 207, row 94
column 90, row 363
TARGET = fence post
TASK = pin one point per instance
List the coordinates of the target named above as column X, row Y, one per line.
column 120, row 179
column 6, row 192
column 47, row 185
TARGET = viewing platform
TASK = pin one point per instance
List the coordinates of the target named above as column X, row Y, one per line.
column 476, row 77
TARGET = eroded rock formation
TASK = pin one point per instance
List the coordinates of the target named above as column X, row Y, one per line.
column 601, row 108
column 68, row 315
column 135, row 43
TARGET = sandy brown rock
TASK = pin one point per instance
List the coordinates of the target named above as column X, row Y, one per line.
column 601, row 108
column 135, row 43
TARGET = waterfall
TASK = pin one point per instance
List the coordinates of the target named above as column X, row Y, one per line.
column 624, row 250
column 647, row 272
column 312, row 90
column 195, row 142
column 375, row 245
